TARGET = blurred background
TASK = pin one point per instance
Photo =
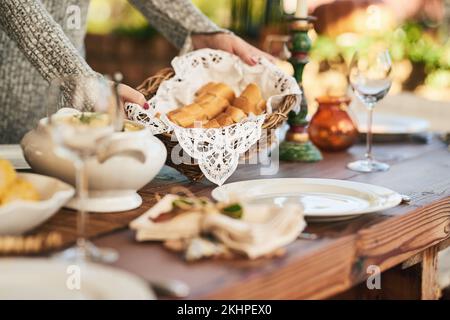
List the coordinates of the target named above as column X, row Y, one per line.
column 416, row 31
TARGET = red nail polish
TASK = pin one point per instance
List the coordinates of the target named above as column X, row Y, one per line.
column 146, row 106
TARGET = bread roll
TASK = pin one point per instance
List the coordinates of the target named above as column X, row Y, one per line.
column 223, row 91
column 194, row 109
column 215, row 89
column 212, row 124
column 172, row 113
column 182, row 118
column 224, row 120
column 212, row 102
column 205, row 88
column 252, row 93
column 235, row 113
column 243, row 104
column 205, row 97
column 261, row 106
column 198, row 124
column 250, row 100
column 187, row 115
column 214, row 107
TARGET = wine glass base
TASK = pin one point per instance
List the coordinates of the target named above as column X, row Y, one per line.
column 89, row 252
column 368, row 166
column 108, row 201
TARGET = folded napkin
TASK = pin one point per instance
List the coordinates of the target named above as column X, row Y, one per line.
column 260, row 231
column 180, row 227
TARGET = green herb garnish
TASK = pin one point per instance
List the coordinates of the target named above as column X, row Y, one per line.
column 234, row 211
column 182, row 203
column 87, row 118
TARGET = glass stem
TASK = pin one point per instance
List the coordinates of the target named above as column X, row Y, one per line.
column 369, row 135
column 82, row 194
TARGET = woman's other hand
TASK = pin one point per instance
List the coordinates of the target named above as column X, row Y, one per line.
column 230, row 43
column 128, row 94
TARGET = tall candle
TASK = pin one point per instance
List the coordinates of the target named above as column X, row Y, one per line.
column 289, row 6
column 302, row 9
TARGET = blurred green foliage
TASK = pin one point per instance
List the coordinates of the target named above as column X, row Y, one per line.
column 116, row 16
column 218, row 11
column 120, row 17
column 247, row 17
column 409, row 41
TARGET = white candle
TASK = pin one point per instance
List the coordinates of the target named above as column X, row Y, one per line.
column 302, row 9
column 289, row 6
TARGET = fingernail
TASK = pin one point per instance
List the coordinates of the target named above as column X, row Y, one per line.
column 146, row 106
column 250, row 62
column 254, row 59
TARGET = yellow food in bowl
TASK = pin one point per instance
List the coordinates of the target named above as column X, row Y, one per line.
column 130, row 126
column 7, row 175
column 89, row 119
column 13, row 188
column 20, row 190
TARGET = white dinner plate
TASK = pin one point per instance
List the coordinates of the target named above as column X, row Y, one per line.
column 322, row 199
column 13, row 153
column 392, row 124
column 36, row 278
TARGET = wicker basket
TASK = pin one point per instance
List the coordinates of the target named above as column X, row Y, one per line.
column 149, row 88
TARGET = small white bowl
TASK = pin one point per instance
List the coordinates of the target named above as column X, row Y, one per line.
column 21, row 216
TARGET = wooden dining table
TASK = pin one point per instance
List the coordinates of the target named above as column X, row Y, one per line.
column 401, row 243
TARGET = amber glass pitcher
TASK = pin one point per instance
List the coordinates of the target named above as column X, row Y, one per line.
column 331, row 128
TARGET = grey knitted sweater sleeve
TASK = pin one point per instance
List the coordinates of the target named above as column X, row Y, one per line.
column 41, row 39
column 176, row 19
column 46, row 46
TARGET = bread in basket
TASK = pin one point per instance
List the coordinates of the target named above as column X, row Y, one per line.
column 213, row 152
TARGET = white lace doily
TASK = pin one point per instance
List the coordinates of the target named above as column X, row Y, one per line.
column 217, row 150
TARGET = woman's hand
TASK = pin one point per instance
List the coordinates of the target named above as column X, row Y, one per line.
column 230, row 43
column 223, row 41
column 128, row 94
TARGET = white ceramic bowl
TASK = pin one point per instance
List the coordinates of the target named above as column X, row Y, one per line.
column 133, row 159
column 21, row 216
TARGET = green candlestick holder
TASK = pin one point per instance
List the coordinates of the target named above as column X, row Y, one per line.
column 297, row 146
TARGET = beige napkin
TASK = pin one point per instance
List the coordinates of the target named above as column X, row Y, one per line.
column 261, row 230
column 180, row 227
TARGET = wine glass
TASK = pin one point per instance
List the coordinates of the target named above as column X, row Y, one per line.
column 369, row 76
column 81, row 112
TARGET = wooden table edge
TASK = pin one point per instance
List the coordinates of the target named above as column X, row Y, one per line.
column 312, row 277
